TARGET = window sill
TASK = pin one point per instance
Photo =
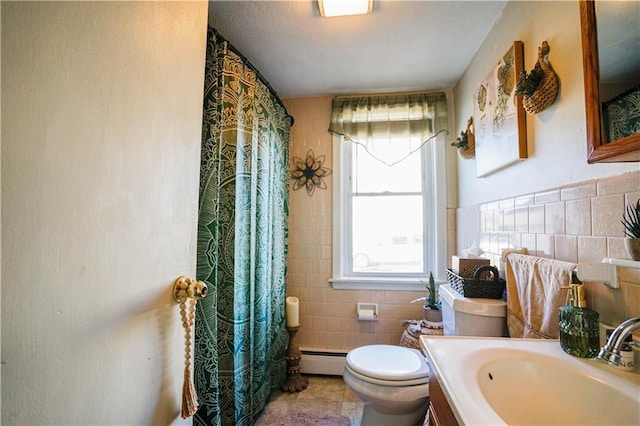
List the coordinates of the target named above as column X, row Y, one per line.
column 369, row 283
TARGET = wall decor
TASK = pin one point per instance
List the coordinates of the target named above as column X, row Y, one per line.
column 539, row 88
column 309, row 173
column 466, row 142
column 498, row 115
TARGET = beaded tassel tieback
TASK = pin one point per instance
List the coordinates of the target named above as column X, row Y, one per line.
column 189, row 397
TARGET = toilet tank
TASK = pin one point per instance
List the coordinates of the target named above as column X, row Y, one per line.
column 465, row 316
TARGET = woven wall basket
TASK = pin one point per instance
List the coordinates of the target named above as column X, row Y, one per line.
column 470, row 151
column 545, row 94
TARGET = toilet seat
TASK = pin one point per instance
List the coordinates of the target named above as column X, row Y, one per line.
column 388, row 365
column 387, row 383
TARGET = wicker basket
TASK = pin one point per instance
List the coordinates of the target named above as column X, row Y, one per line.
column 478, row 287
column 416, row 328
column 545, row 94
column 470, row 151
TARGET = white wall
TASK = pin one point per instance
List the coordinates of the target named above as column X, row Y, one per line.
column 101, row 106
column 0, row 227
column 556, row 137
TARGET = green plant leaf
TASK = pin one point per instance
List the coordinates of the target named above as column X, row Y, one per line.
column 528, row 83
column 631, row 220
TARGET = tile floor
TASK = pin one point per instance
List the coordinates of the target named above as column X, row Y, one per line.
column 326, row 393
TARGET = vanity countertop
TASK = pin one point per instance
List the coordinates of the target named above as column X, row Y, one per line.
column 498, row 381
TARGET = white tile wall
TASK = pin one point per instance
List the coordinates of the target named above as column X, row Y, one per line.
column 579, row 222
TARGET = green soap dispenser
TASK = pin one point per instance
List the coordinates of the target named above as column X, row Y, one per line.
column 579, row 325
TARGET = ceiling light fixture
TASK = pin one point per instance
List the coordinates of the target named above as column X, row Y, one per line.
column 330, row 8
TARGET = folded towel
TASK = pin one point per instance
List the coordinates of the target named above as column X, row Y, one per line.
column 534, row 295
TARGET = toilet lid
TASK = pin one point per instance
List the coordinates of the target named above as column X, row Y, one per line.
column 387, row 362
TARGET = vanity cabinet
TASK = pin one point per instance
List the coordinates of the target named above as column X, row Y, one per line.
column 440, row 413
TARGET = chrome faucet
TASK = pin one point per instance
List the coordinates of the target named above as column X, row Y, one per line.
column 610, row 352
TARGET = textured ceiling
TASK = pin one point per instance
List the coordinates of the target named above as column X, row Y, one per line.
column 403, row 45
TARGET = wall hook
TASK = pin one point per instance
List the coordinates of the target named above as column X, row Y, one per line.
column 185, row 287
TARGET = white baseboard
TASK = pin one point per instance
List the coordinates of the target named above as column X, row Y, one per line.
column 322, row 361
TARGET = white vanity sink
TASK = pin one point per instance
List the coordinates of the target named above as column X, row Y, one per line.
column 496, row 381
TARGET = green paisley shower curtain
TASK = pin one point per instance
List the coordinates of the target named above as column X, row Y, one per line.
column 240, row 339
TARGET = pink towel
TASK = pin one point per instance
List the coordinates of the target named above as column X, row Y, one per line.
column 534, row 295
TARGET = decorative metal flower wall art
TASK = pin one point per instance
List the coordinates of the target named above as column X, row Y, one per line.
column 309, row 173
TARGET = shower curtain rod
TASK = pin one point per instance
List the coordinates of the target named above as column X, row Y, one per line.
column 254, row 69
column 383, row 94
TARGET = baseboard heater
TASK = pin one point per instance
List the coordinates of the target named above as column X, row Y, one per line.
column 322, row 361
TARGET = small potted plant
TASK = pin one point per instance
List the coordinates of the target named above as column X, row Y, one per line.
column 538, row 88
column 431, row 309
column 631, row 222
column 466, row 142
column 461, row 141
column 529, row 82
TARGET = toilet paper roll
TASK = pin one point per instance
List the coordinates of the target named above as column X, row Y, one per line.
column 366, row 315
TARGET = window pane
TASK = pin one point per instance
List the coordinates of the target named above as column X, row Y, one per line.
column 372, row 176
column 387, row 234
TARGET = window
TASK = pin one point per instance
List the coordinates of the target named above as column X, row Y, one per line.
column 386, row 217
column 389, row 222
column 389, row 190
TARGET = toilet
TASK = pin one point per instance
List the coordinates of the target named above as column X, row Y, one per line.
column 393, row 381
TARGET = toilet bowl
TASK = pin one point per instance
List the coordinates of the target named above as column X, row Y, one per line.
column 392, row 381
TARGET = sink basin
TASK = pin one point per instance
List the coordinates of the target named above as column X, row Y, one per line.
column 495, row 381
column 527, row 389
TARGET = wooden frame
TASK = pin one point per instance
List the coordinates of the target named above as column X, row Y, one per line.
column 622, row 150
column 499, row 118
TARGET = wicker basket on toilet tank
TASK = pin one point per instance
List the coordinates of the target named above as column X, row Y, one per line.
column 478, row 286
